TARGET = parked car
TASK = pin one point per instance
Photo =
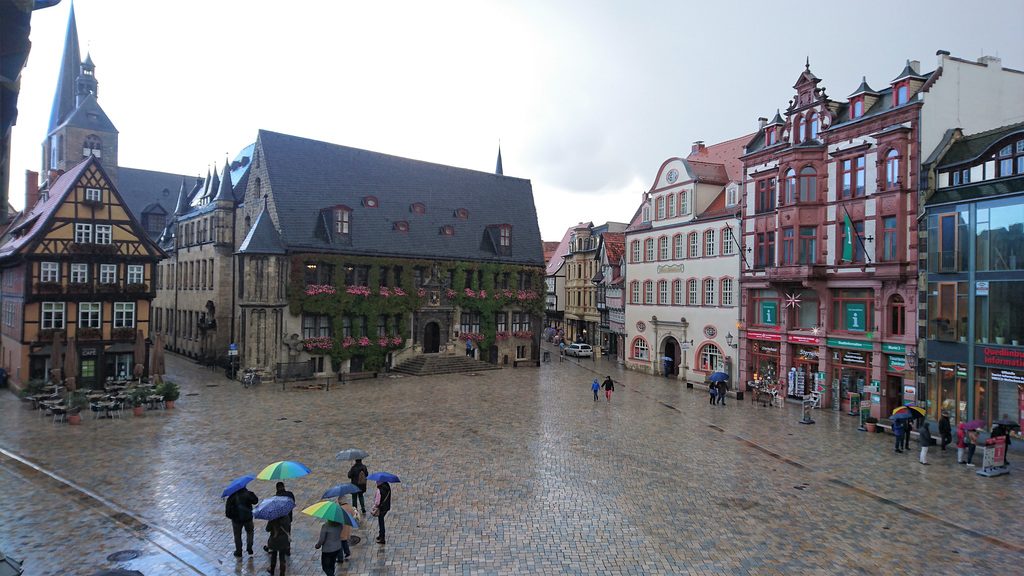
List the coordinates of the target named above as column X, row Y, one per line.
column 578, row 350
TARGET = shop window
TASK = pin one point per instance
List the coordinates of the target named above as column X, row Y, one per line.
column 1000, row 234
column 805, row 314
column 711, row 358
column 999, row 315
column 852, row 310
column 897, row 316
column 640, row 350
column 765, row 308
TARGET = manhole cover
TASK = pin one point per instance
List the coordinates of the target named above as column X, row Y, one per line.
column 353, row 540
column 123, row 555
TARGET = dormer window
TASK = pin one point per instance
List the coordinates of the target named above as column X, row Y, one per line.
column 462, row 214
column 448, row 231
column 770, row 136
column 342, row 220
column 901, row 93
column 419, row 208
column 370, row 202
column 402, row 226
column 857, row 107
column 504, row 235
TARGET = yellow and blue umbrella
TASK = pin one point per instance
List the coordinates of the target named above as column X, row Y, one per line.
column 330, row 511
column 282, row 470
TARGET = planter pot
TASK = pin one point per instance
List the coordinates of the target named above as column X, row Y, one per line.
column 74, row 419
column 963, row 338
column 1000, row 340
column 870, row 426
column 169, row 404
column 137, row 410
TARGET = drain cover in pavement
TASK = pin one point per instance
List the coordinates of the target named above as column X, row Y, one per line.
column 123, row 555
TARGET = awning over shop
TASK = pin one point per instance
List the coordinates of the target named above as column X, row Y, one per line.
column 44, row 351
column 121, row 348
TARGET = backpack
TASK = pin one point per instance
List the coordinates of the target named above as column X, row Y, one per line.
column 361, row 478
column 229, row 507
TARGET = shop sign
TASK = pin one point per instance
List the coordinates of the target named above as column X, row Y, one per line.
column 991, row 356
column 769, row 313
column 897, row 363
column 995, row 453
column 876, row 384
column 766, row 349
column 856, row 316
column 865, row 410
column 894, row 348
column 841, row 343
column 805, row 339
column 876, row 399
column 853, row 358
column 1008, row 376
column 764, row 336
column 981, row 288
column 910, row 391
column 88, row 352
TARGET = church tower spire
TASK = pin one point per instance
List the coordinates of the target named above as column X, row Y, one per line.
column 64, row 102
column 497, row 169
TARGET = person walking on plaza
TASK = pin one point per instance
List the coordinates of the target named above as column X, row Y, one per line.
column 713, row 393
column 357, row 475
column 346, row 533
column 382, row 505
column 287, row 520
column 595, row 387
column 609, row 385
column 238, row 508
column 469, row 348
column 906, row 434
column 925, row 437
column 280, row 541
column 898, row 427
column 961, row 444
column 945, row 433
column 722, row 389
column 972, row 444
column 329, row 545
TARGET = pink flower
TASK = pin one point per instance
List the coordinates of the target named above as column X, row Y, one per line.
column 364, row 341
column 421, row 292
column 397, row 340
column 399, row 292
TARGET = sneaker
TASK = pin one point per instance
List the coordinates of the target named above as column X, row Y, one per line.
column 969, row 465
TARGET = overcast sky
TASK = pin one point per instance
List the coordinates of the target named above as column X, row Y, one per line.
column 587, row 98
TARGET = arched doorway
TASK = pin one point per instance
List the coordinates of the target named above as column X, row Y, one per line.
column 431, row 338
column 669, row 361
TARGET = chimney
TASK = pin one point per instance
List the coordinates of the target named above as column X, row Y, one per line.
column 31, row 189
column 761, row 123
column 991, row 61
column 697, row 147
column 915, row 65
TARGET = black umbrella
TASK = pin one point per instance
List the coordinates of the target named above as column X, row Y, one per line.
column 1007, row 423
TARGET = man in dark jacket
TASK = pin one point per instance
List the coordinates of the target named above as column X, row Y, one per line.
column 238, row 508
column 357, row 475
column 723, row 388
column 286, row 522
column 945, row 431
column 925, row 437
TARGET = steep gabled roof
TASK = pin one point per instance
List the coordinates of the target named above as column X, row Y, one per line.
column 38, row 217
column 89, row 116
column 725, row 153
column 307, row 176
column 142, row 188
column 556, row 259
column 263, row 238
column 614, row 246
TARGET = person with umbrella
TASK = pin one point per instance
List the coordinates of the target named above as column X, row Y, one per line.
column 335, row 533
column 238, row 509
column 898, row 428
column 330, row 545
column 280, row 541
column 382, row 501
column 287, row 520
column 357, row 475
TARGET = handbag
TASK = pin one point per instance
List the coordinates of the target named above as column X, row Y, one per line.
column 375, row 511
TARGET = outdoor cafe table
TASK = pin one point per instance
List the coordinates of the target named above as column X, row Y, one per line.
column 154, row 401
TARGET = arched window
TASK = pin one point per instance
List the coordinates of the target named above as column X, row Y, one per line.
column 636, row 251
column 790, row 186
column 898, row 317
column 892, row 169
column 814, row 125
column 663, row 248
column 798, row 132
column 640, row 349
column 649, row 249
column 710, row 358
column 808, row 185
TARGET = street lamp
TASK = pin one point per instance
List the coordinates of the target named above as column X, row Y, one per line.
column 728, row 340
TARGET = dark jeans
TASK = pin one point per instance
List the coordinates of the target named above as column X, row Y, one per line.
column 237, row 528
column 712, row 398
column 899, row 441
column 721, row 399
column 274, row 556
column 970, row 452
column 595, row 394
column 946, row 439
column 327, row 560
column 362, row 503
column 380, row 524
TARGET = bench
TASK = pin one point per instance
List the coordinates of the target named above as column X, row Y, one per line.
column 344, row 377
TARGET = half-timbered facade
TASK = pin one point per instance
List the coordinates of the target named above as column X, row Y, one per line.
column 76, row 264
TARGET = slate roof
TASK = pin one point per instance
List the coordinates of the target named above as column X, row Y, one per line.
column 36, row 218
column 90, row 116
column 307, row 177
column 71, row 61
column 263, row 238
column 140, row 189
column 970, row 148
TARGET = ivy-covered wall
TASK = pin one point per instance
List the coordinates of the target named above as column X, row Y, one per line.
column 336, row 299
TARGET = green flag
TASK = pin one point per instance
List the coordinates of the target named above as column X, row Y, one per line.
column 848, row 239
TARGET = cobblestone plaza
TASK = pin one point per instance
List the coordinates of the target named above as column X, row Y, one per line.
column 503, row 472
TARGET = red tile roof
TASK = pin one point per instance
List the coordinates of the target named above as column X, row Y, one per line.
column 38, row 216
column 614, row 245
column 727, row 153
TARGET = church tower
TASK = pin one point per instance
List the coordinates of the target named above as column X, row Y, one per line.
column 78, row 127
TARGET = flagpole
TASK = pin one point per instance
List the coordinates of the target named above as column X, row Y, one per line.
column 867, row 256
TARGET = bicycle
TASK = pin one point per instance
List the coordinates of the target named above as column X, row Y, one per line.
column 251, row 377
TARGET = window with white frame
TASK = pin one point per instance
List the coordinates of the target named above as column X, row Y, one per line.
column 135, row 273
column 709, row 243
column 710, row 358
column 677, row 292
column 728, row 242
column 649, row 249
column 93, row 194
column 634, row 292
column 89, row 314
column 83, row 233
column 649, row 292
column 732, row 196
column 640, row 349
column 49, row 272
column 709, row 292
column 636, row 251
column 660, row 203
column 124, row 314
column 671, row 205
column 694, row 245
column 79, row 272
column 52, row 316
column 726, row 285
column 677, row 247
column 108, row 273
column 684, row 203
column 692, row 296
column 663, row 293
column 104, row 234
column 663, row 248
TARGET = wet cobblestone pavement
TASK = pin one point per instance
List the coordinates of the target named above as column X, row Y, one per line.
column 503, row 472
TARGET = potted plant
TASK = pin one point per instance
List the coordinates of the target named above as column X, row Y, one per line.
column 76, row 402
column 999, row 330
column 870, row 422
column 170, row 391
column 137, row 399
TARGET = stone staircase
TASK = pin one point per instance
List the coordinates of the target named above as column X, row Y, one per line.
column 428, row 364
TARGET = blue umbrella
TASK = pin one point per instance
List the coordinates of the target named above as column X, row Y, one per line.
column 719, row 377
column 237, row 484
column 340, row 490
column 383, row 477
column 901, row 416
column 273, row 507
